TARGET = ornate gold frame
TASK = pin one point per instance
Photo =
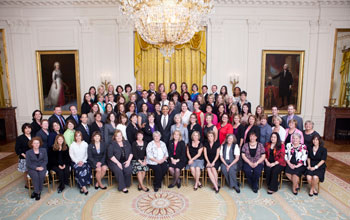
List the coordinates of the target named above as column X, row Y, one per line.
column 2, row 31
column 300, row 83
column 40, row 81
column 337, row 30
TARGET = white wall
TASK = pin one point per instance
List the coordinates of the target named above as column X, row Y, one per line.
column 238, row 31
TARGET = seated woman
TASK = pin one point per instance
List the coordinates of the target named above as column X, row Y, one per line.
column 195, row 158
column 21, row 147
column 293, row 130
column 81, row 168
column 36, row 161
column 119, row 159
column 274, row 161
column 60, row 161
column 177, row 158
column 316, row 164
column 229, row 155
column 139, row 164
column 212, row 161
column 178, row 126
column 97, row 151
column 253, row 155
column 157, row 155
column 296, row 156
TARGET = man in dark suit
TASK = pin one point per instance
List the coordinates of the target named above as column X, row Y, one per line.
column 138, row 92
column 285, row 84
column 164, row 123
column 152, row 88
column 274, row 111
column 143, row 100
column 205, row 93
column 214, row 91
column 290, row 116
column 84, row 128
column 57, row 117
column 74, row 115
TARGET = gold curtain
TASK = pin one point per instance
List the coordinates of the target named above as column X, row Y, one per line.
column 2, row 95
column 344, row 72
column 187, row 64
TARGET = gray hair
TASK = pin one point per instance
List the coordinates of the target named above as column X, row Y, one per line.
column 296, row 135
column 311, row 122
column 157, row 133
column 179, row 116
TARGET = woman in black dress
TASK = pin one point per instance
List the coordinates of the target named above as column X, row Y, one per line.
column 212, row 160
column 60, row 161
column 194, row 126
column 177, row 158
column 309, row 133
column 132, row 129
column 97, row 152
column 98, row 125
column 86, row 106
column 21, row 147
column 139, row 164
column 316, row 164
column 149, row 128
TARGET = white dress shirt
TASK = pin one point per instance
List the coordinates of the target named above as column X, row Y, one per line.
column 78, row 152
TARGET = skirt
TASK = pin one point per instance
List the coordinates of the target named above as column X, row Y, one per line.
column 197, row 163
column 83, row 174
column 298, row 171
column 22, row 166
column 180, row 165
column 318, row 172
column 216, row 165
column 137, row 167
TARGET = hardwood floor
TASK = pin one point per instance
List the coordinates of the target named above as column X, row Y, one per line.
column 334, row 166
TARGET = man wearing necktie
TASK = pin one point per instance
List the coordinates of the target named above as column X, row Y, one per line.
column 85, row 128
column 164, row 123
column 74, row 115
column 57, row 117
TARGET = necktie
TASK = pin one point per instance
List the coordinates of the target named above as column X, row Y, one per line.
column 164, row 122
column 87, row 129
column 61, row 121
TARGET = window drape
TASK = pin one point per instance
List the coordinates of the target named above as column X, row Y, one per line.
column 344, row 72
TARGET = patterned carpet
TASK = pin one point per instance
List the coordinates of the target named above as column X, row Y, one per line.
column 184, row 203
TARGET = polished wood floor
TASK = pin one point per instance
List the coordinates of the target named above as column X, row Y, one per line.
column 334, row 166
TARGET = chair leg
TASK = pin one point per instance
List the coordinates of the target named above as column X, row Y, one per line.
column 29, row 186
column 53, row 180
column 93, row 179
column 48, row 183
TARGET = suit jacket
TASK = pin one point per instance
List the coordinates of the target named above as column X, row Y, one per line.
column 35, row 128
column 53, row 118
column 33, row 162
column 284, row 83
column 85, row 108
column 115, row 150
column 86, row 135
column 180, row 151
column 147, row 132
column 94, row 157
column 297, row 118
column 21, row 145
column 131, row 133
column 166, row 133
column 70, row 117
column 44, row 137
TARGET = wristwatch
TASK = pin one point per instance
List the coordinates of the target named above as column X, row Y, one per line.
column 316, row 167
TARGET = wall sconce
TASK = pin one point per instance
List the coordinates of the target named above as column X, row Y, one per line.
column 105, row 80
column 234, row 80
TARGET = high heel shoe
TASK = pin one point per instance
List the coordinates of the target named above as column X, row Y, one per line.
column 86, row 193
column 139, row 188
column 200, row 185
column 147, row 190
column 96, row 187
column 178, row 184
column 103, row 188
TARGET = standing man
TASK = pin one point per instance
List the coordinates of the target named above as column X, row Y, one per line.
column 285, row 84
column 274, row 111
column 139, row 92
column 290, row 116
column 57, row 117
column 85, row 128
column 205, row 93
column 164, row 123
column 74, row 115
column 152, row 88
column 143, row 99
column 265, row 130
column 214, row 90
column 163, row 99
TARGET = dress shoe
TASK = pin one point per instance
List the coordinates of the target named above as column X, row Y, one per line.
column 295, row 193
column 37, row 197
column 217, row 191
column 171, row 186
column 238, row 190
column 156, row 189
column 311, row 195
column 96, row 187
column 103, row 188
column 146, row 190
column 315, row 193
column 178, row 184
column 86, row 193
column 255, row 190
column 139, row 188
column 33, row 195
column 126, row 191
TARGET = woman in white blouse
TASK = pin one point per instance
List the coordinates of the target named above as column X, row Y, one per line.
column 157, row 155
column 79, row 155
column 277, row 120
column 185, row 114
column 122, row 124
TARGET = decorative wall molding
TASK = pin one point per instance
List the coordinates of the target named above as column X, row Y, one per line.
column 85, row 24
column 280, row 3
column 216, row 24
column 313, row 26
column 253, row 25
column 18, row 26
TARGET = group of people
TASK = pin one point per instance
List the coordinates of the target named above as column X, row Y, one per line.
column 131, row 132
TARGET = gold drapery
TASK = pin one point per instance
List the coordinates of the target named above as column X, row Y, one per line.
column 187, row 64
column 344, row 72
column 2, row 95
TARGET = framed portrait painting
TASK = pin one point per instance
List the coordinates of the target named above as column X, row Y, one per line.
column 58, row 79
column 281, row 79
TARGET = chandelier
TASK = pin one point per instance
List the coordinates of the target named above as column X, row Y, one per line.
column 167, row 23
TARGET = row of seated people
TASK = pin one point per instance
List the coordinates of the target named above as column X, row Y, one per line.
column 124, row 159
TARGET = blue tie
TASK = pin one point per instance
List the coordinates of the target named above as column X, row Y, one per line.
column 87, row 130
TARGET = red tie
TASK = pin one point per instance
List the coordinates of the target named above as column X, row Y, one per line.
column 62, row 123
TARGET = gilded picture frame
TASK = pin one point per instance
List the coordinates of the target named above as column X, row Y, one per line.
column 58, row 80
column 281, row 87
column 5, row 93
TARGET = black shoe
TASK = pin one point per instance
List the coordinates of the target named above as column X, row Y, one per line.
column 60, row 189
column 316, row 194
column 33, row 195
column 96, row 187
column 86, row 193
column 103, row 188
column 178, row 184
column 156, row 189
column 270, row 193
column 255, row 190
column 26, row 187
column 37, row 197
column 195, row 188
column 126, row 191
column 238, row 190
column 171, row 186
column 139, row 188
column 217, row 191
column 311, row 195
column 147, row 190
column 200, row 185
column 295, row 193
column 81, row 191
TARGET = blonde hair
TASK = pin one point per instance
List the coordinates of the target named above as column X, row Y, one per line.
column 196, row 132
column 176, row 131
column 117, row 131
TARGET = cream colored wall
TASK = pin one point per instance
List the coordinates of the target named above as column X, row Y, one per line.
column 237, row 34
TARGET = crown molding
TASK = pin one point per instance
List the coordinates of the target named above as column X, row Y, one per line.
column 278, row 3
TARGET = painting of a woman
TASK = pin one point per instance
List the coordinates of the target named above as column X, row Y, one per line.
column 56, row 93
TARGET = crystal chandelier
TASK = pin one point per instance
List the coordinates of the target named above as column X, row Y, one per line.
column 167, row 23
